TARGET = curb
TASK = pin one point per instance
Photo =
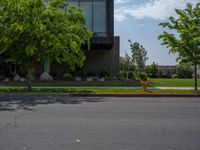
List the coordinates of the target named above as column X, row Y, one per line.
column 134, row 95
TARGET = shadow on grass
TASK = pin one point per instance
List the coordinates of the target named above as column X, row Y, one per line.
column 13, row 102
column 43, row 90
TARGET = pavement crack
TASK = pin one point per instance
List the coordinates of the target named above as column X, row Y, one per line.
column 13, row 122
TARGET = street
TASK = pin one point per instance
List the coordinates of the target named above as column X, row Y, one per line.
column 60, row 122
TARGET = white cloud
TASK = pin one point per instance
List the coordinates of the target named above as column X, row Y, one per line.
column 154, row 9
column 121, row 1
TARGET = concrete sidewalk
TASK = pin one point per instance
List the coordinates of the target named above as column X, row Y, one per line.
column 102, row 87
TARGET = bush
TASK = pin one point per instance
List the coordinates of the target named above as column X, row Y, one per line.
column 91, row 74
column 68, row 76
column 143, row 76
column 104, row 74
column 184, row 71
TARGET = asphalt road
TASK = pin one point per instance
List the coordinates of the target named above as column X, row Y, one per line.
column 66, row 123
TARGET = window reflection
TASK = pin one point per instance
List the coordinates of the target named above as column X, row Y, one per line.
column 95, row 14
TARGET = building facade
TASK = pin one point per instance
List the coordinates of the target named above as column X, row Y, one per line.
column 104, row 52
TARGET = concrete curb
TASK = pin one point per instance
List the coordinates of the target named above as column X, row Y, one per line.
column 134, row 95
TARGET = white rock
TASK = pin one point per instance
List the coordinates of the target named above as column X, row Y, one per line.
column 102, row 79
column 23, row 80
column 17, row 78
column 6, row 80
column 89, row 79
column 46, row 77
column 77, row 78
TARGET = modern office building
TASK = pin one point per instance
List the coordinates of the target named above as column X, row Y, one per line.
column 104, row 53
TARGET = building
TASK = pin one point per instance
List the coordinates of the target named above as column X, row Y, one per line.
column 104, row 53
column 167, row 71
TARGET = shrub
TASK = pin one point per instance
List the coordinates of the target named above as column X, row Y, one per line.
column 184, row 71
column 91, row 74
column 143, row 76
column 68, row 76
column 104, row 74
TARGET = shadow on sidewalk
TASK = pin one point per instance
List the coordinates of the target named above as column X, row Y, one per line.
column 13, row 102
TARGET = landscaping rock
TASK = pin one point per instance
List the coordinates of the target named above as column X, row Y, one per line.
column 89, row 79
column 102, row 79
column 77, row 78
column 6, row 80
column 46, row 77
column 96, row 78
column 23, row 80
column 17, row 78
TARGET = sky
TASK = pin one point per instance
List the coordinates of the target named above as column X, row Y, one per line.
column 138, row 20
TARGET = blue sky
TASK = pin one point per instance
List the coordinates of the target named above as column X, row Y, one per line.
column 138, row 20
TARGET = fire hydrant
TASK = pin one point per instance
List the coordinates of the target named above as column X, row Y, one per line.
column 144, row 85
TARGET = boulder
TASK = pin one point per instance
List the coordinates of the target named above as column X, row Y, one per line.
column 17, row 78
column 6, row 80
column 77, row 78
column 46, row 77
column 23, row 80
column 89, row 79
column 102, row 79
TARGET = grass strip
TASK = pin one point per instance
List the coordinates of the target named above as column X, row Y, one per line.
column 96, row 91
column 172, row 82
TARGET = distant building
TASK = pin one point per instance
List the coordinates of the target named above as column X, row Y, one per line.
column 167, row 71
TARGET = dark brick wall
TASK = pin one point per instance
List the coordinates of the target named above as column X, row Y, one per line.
column 104, row 59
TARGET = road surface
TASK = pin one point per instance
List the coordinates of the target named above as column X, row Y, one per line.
column 31, row 122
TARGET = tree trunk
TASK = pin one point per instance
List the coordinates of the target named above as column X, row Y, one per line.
column 29, row 80
column 195, row 77
column 29, row 75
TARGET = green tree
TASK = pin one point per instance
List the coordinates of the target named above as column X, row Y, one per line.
column 139, row 57
column 186, row 41
column 37, row 31
column 153, row 70
column 184, row 70
column 126, row 65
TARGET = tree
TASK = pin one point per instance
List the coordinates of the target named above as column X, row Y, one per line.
column 139, row 57
column 153, row 70
column 184, row 70
column 186, row 41
column 37, row 31
column 126, row 65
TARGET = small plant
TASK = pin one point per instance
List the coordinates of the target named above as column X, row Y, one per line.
column 68, row 76
column 104, row 74
column 91, row 74
column 143, row 76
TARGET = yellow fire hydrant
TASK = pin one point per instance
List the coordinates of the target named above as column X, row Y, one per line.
column 144, row 85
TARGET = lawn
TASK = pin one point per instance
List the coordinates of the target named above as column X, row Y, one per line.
column 173, row 82
column 96, row 91
column 74, row 83
column 152, row 82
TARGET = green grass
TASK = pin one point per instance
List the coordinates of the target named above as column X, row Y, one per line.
column 172, row 82
column 153, row 83
column 96, row 91
column 74, row 83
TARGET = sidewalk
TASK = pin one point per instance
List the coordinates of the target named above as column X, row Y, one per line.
column 101, row 87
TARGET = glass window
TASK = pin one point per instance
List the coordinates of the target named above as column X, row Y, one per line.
column 95, row 15
column 87, row 6
column 74, row 2
column 99, row 17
